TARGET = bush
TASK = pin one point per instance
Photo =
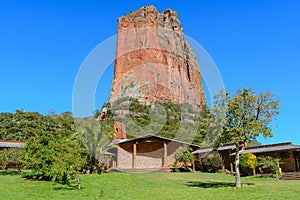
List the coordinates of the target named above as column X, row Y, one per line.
column 213, row 162
column 185, row 156
column 248, row 161
column 10, row 156
column 271, row 163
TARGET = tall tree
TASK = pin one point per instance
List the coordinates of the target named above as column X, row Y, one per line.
column 246, row 116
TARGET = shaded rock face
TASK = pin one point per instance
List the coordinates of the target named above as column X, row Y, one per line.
column 153, row 60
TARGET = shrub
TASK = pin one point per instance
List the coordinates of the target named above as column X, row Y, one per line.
column 271, row 163
column 248, row 161
column 213, row 162
column 184, row 156
column 10, row 156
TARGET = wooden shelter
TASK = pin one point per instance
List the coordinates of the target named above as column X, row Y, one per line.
column 147, row 152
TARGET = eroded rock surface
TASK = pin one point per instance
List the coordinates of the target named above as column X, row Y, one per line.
column 153, row 60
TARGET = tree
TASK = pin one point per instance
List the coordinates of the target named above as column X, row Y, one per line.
column 246, row 116
column 202, row 136
column 20, row 126
column 53, row 153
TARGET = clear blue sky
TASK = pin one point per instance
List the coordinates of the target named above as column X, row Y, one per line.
column 254, row 44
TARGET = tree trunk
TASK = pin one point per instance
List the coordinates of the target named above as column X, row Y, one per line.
column 237, row 169
column 78, row 183
column 254, row 171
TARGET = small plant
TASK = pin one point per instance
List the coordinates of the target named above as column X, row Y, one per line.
column 185, row 156
column 175, row 167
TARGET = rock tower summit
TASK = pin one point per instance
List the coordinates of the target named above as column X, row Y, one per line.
column 153, row 60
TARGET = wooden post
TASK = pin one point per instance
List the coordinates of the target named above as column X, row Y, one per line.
column 134, row 156
column 230, row 160
column 165, row 154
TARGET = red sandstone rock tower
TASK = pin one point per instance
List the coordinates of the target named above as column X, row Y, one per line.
column 153, row 60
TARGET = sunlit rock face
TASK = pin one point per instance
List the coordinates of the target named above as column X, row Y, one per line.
column 153, row 60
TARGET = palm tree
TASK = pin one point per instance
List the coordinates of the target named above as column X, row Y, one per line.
column 95, row 142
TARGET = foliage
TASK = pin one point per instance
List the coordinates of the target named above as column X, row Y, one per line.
column 106, row 120
column 53, row 154
column 213, row 161
column 271, row 163
column 4, row 158
column 52, row 151
column 246, row 116
column 175, row 167
column 248, row 161
column 184, row 156
column 202, row 137
column 95, row 142
column 181, row 121
column 20, row 126
column 10, row 156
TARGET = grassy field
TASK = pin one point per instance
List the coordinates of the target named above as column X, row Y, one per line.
column 151, row 186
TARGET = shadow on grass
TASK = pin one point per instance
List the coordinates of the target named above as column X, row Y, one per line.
column 10, row 172
column 65, row 187
column 212, row 184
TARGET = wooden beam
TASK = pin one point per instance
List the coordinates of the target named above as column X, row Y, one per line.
column 165, row 154
column 134, row 156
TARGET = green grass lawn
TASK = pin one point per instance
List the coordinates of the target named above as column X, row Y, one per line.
column 151, row 186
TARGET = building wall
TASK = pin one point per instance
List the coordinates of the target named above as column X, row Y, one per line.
column 287, row 161
column 124, row 156
column 149, row 154
column 173, row 147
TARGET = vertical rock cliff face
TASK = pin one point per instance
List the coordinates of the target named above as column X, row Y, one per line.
column 153, row 60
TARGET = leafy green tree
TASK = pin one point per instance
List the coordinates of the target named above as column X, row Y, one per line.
column 246, row 116
column 202, row 137
column 53, row 153
column 20, row 126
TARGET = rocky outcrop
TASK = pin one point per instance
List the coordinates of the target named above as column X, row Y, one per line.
column 153, row 60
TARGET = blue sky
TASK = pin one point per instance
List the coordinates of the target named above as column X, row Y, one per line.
column 253, row 43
